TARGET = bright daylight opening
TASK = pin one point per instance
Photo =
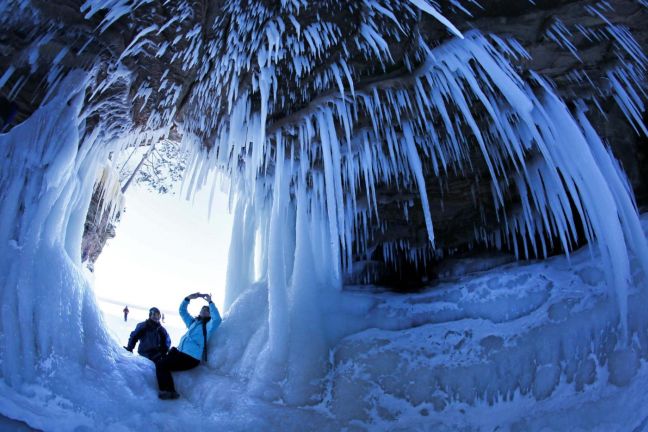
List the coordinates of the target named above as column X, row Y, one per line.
column 166, row 248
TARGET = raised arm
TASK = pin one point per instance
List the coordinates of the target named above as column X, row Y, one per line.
column 184, row 314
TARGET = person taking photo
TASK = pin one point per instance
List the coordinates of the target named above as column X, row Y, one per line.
column 192, row 348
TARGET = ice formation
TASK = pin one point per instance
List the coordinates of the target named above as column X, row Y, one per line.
column 304, row 172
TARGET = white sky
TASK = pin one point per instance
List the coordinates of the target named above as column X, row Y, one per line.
column 166, row 248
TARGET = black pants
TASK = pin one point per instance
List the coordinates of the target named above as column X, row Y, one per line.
column 153, row 356
column 174, row 361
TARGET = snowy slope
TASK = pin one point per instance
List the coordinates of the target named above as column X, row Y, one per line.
column 522, row 346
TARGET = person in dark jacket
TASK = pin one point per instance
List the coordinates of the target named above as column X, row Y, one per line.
column 192, row 347
column 154, row 341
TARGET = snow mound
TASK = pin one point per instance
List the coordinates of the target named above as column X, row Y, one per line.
column 521, row 346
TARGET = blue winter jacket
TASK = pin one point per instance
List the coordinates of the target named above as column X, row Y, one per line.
column 192, row 342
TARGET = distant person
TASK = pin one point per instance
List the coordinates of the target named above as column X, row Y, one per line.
column 162, row 317
column 126, row 313
column 154, row 341
column 192, row 347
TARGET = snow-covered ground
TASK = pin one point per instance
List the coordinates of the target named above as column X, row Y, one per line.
column 522, row 346
column 519, row 347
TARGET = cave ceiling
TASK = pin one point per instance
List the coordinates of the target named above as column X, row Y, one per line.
column 164, row 65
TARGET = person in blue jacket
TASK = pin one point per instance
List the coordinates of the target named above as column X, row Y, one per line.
column 154, row 341
column 192, row 347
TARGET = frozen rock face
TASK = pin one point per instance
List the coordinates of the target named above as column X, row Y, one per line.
column 361, row 139
column 103, row 216
column 181, row 67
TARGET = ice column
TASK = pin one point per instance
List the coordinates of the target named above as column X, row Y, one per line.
column 46, row 183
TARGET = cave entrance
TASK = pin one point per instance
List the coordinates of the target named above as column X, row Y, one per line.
column 164, row 248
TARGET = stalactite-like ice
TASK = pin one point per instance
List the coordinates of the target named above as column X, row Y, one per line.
column 47, row 179
column 450, row 84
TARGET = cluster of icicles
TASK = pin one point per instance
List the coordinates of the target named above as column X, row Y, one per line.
column 421, row 123
column 329, row 159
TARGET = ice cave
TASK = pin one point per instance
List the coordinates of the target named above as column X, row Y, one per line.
column 440, row 210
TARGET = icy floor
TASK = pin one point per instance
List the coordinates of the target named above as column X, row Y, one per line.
column 522, row 346
column 442, row 359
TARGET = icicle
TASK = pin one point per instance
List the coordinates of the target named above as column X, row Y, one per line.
column 428, row 8
column 333, row 193
column 417, row 169
column 277, row 271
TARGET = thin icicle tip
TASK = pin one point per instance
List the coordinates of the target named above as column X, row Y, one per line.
column 426, row 7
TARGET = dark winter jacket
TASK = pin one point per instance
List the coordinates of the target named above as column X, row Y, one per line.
column 154, row 340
